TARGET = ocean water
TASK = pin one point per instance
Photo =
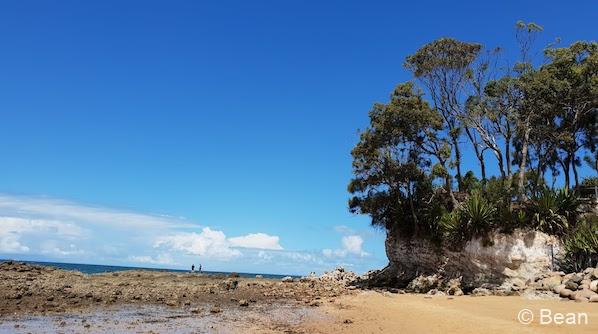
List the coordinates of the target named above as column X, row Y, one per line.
column 97, row 269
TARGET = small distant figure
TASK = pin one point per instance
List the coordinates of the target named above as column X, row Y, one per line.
column 200, row 267
column 193, row 267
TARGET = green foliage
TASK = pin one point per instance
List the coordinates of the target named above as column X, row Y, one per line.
column 393, row 180
column 442, row 54
column 470, row 182
column 581, row 245
column 474, row 218
column 554, row 212
column 590, row 181
column 536, row 120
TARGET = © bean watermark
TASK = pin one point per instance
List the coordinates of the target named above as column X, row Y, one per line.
column 547, row 317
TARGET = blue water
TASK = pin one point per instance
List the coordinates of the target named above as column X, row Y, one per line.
column 97, row 269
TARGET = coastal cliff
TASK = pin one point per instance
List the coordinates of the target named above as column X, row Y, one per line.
column 507, row 261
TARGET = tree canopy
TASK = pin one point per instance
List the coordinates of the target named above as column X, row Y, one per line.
column 534, row 120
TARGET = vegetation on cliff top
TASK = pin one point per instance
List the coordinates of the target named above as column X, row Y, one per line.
column 530, row 124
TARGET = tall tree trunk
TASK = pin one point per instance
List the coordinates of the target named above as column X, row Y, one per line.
column 508, row 155
column 458, row 162
column 539, row 173
column 478, row 153
column 523, row 164
column 574, row 167
column 565, row 165
column 483, row 170
column 448, row 184
column 567, row 178
column 449, row 190
column 501, row 164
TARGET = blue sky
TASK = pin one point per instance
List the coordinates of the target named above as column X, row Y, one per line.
column 168, row 133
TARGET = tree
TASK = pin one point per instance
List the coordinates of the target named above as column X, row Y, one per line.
column 526, row 34
column 574, row 74
column 443, row 66
column 501, row 103
column 392, row 174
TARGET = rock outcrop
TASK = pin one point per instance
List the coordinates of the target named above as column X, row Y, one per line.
column 510, row 261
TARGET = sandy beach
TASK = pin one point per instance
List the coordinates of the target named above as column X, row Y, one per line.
column 374, row 312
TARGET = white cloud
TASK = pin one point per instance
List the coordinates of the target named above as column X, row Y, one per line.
column 59, row 210
column 163, row 259
column 257, row 241
column 53, row 247
column 214, row 244
column 64, row 230
column 352, row 245
column 265, row 256
column 10, row 243
column 14, row 228
column 208, row 243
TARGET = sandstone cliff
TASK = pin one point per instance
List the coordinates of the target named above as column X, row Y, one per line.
column 511, row 259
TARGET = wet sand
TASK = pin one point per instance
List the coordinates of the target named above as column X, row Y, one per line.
column 274, row 318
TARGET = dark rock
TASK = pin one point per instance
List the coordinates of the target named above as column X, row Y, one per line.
column 571, row 285
column 576, row 278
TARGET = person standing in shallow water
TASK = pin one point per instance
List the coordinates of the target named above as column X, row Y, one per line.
column 193, row 267
column 200, row 267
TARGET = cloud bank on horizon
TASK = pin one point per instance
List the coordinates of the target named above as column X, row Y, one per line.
column 48, row 229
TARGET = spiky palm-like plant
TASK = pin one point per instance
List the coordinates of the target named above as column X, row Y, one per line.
column 553, row 211
column 581, row 245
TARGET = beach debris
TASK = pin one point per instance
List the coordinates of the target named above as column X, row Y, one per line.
column 243, row 302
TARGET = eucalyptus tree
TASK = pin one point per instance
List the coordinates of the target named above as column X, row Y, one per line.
column 573, row 72
column 443, row 66
column 526, row 34
column 501, row 103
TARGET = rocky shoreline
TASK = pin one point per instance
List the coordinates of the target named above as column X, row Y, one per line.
column 580, row 287
column 34, row 289
column 47, row 300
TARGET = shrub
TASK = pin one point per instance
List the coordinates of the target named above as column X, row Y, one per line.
column 590, row 181
column 581, row 245
column 554, row 212
column 474, row 218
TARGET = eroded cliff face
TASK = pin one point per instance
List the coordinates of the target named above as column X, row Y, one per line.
column 511, row 259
